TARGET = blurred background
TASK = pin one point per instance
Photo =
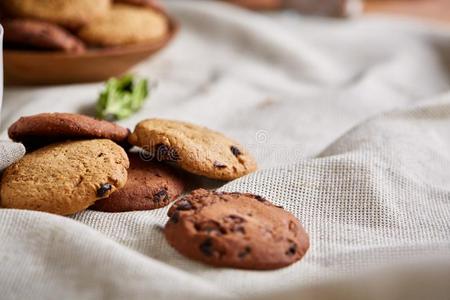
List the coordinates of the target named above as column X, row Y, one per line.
column 91, row 54
column 433, row 10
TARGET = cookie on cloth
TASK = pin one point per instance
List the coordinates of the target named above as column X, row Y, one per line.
column 40, row 35
column 196, row 149
column 125, row 24
column 150, row 185
column 235, row 230
column 68, row 13
column 37, row 130
column 64, row 178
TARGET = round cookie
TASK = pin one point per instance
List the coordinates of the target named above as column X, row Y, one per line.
column 65, row 178
column 196, row 149
column 41, row 129
column 68, row 13
column 150, row 185
column 41, row 35
column 125, row 24
column 235, row 230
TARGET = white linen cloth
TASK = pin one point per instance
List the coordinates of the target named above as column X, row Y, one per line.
column 350, row 123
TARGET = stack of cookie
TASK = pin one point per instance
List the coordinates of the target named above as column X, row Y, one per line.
column 75, row 25
column 71, row 161
column 74, row 162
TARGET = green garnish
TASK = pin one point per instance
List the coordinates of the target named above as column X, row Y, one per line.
column 121, row 98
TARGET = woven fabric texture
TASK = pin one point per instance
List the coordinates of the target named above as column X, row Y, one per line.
column 350, row 124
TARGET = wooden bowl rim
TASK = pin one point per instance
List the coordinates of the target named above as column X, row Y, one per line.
column 174, row 27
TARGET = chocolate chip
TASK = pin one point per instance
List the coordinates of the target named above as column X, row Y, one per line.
column 207, row 247
column 245, row 252
column 161, row 195
column 260, row 199
column 103, row 189
column 184, row 205
column 219, row 165
column 292, row 249
column 235, row 150
column 175, row 217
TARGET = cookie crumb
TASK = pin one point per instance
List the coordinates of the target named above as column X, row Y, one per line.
column 235, row 150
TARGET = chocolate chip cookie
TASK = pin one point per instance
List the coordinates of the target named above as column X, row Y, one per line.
column 68, row 13
column 150, row 185
column 235, row 230
column 196, row 149
column 41, row 129
column 125, row 24
column 65, row 178
column 40, row 35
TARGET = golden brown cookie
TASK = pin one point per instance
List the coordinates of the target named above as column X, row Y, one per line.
column 68, row 13
column 196, row 149
column 125, row 24
column 150, row 185
column 41, row 35
column 41, row 129
column 65, row 178
column 235, row 230
column 155, row 4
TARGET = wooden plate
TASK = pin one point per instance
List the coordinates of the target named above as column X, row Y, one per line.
column 44, row 67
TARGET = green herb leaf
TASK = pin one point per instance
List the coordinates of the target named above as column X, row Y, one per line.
column 121, row 98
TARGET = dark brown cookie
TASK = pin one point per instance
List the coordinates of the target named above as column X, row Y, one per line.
column 235, row 230
column 41, row 129
column 150, row 185
column 40, row 35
